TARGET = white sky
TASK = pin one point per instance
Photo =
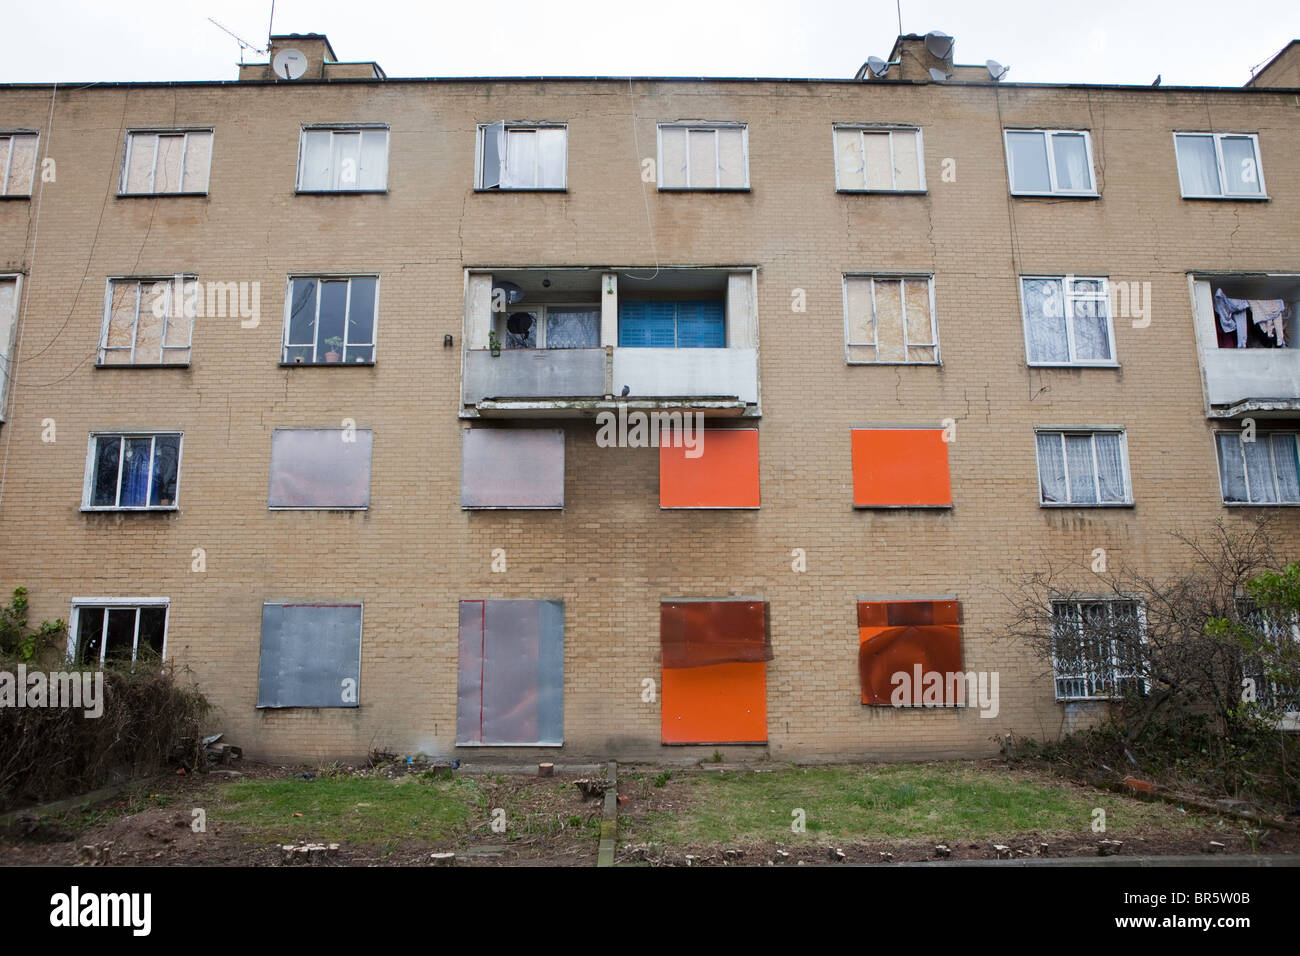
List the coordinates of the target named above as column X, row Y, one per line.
column 1189, row 42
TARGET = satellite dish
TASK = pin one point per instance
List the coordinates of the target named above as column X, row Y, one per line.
column 877, row 66
column 939, row 44
column 938, row 75
column 996, row 69
column 289, row 64
column 512, row 292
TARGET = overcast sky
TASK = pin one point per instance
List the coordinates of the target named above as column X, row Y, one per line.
column 1189, row 42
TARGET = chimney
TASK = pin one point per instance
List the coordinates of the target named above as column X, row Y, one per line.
column 915, row 61
column 321, row 63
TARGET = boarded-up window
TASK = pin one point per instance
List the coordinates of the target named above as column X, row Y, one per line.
column 703, row 157
column 511, row 685
column 708, row 468
column 311, row 655
column 343, row 160
column 320, row 468
column 512, row 468
column 909, row 653
column 17, row 163
column 714, row 679
column 167, row 162
column 147, row 322
column 887, row 160
column 900, row 468
column 890, row 320
column 8, row 334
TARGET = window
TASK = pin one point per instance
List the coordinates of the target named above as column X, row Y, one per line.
column 133, row 471
column 510, row 690
column 320, row 468
column 331, row 320
column 512, row 468
column 170, row 161
column 352, row 159
column 1260, row 472
column 1276, row 635
column 1083, row 468
column 668, row 324
column 871, row 159
column 17, row 163
column 900, row 468
column 1219, row 166
column 1067, row 320
column 310, row 655
column 9, row 286
column 522, row 157
column 703, row 157
column 714, row 657
column 706, row 468
column 113, row 630
column 554, row 327
column 1044, row 162
column 911, row 637
column 145, row 322
column 890, row 321
column 1097, row 649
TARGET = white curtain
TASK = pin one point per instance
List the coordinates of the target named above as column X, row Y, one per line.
column 1198, row 170
column 1089, row 310
column 1071, row 156
column 1045, row 320
column 1051, row 468
column 1110, row 466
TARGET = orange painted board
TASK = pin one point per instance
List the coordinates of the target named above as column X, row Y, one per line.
column 913, row 638
column 718, row 704
column 900, row 468
column 723, row 475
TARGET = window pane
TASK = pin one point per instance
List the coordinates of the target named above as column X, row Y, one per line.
column 153, row 626
column 316, row 159
column 167, row 173
column 149, row 325
column 919, row 328
column 374, row 159
column 521, row 330
column 1028, row 155
column 1239, row 164
column 572, row 328
column 302, row 313
column 140, row 162
column 179, row 323
column 860, row 327
column 1231, row 469
column 361, row 319
column 166, row 463
column 907, row 167
column 1071, row 160
column 22, row 166
column 1045, row 320
column 493, row 139
column 1110, row 463
column 521, row 159
column 135, row 472
column 704, row 158
column 4, row 164
column 1198, row 170
column 345, row 159
column 1078, row 460
column 1090, row 311
column 198, row 157
column 879, row 166
column 889, row 321
column 319, row 468
column 731, row 158
column 848, row 158
column 672, row 162
column 550, row 157
column 120, row 641
column 647, row 324
column 1287, row 468
column 107, row 453
column 90, row 634
column 333, row 311
column 1259, row 470
column 1051, row 468
column 121, row 315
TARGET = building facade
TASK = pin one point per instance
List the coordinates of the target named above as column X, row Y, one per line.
column 632, row 417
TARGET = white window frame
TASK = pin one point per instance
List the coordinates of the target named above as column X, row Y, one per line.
column 1091, row 431
column 1246, row 472
column 1054, row 189
column 173, row 314
column 862, row 128
column 320, row 277
column 507, row 129
column 1115, row 663
column 1218, row 161
column 7, row 348
column 88, row 485
column 1068, row 298
column 543, row 316
column 333, row 128
column 107, row 603
column 717, row 166
column 6, row 173
column 875, row 343
column 153, row 172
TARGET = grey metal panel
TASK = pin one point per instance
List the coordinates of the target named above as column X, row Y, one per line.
column 320, row 468
column 533, row 373
column 308, row 652
column 512, row 468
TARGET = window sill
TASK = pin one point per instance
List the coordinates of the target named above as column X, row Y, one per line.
column 156, row 195
column 1249, row 198
column 858, row 507
column 1027, row 195
column 15, row 196
column 89, row 509
column 369, row 364
column 881, row 192
column 341, row 192
column 1090, row 504
column 1087, row 700
column 899, row 364
column 114, row 365
column 1073, row 364
column 521, row 189
column 318, row 508
column 704, row 189
column 1261, row 504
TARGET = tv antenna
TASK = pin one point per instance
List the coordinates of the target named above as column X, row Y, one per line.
column 243, row 44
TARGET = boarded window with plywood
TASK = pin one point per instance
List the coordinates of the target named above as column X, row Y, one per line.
column 167, row 161
column 902, row 645
column 873, row 159
column 17, row 163
column 146, row 321
column 890, row 320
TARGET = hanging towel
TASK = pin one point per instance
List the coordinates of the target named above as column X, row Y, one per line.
column 1232, row 315
column 1270, row 315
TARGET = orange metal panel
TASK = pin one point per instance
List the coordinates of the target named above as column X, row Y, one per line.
column 898, row 637
column 699, row 633
column 725, row 475
column 900, row 468
column 718, row 704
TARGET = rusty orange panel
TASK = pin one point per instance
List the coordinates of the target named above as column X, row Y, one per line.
column 718, row 704
column 897, row 637
column 900, row 468
column 724, row 475
column 699, row 633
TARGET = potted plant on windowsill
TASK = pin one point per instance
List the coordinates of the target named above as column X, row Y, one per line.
column 335, row 344
column 494, row 344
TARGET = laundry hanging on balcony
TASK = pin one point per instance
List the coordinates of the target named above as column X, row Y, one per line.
column 1268, row 315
